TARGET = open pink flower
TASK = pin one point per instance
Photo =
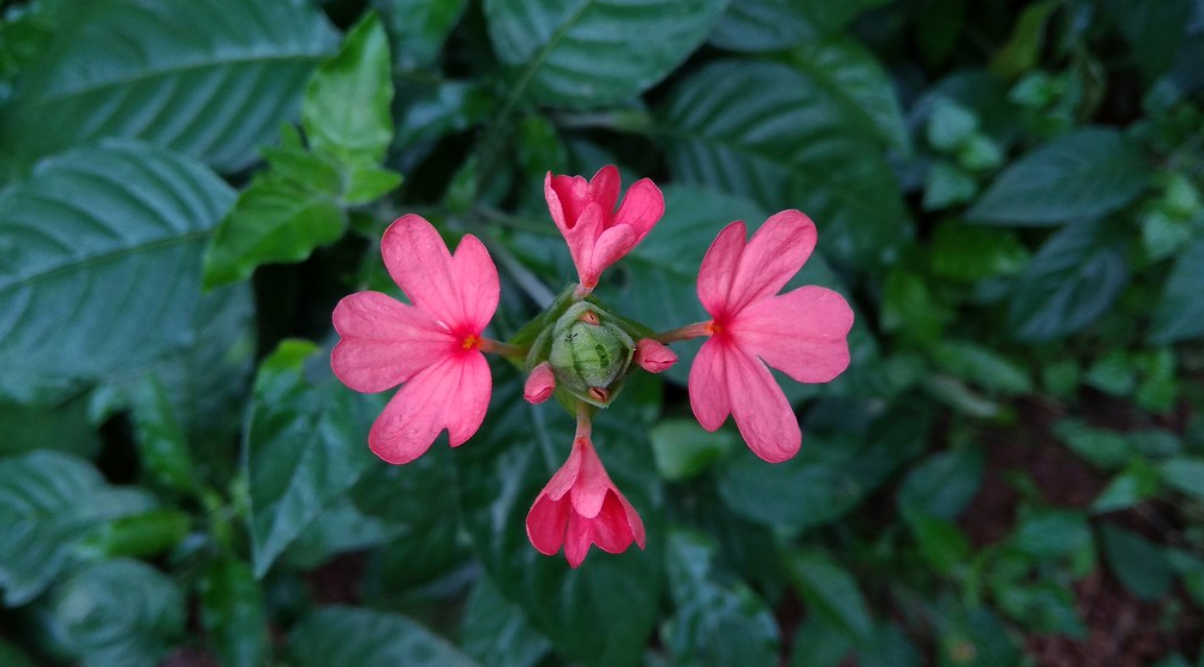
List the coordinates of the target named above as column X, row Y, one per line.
column 580, row 507
column 597, row 235
column 801, row 333
column 433, row 346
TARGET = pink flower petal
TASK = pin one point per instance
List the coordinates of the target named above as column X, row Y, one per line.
column 776, row 252
column 592, row 484
column 453, row 394
column 802, row 333
column 642, row 208
column 604, row 188
column 719, row 267
column 608, row 249
column 384, row 342
column 460, row 293
column 540, row 385
column 546, row 524
column 708, row 385
column 763, row 415
column 654, row 356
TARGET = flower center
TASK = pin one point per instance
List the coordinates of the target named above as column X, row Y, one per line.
column 470, row 342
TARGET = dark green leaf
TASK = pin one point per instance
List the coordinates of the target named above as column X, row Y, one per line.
column 1105, row 448
column 1185, row 474
column 162, row 443
column 497, row 633
column 11, row 656
column 944, row 484
column 594, row 52
column 1179, row 314
column 1082, row 175
column 63, row 425
column 120, row 612
column 683, row 448
column 346, row 110
column 210, row 78
column 1136, row 484
column 1138, row 564
column 818, row 644
column 854, row 76
column 364, row 638
column 305, row 447
column 982, row 366
column 233, row 614
column 830, row 591
column 770, row 25
column 602, row 612
column 274, row 220
column 419, row 28
column 139, row 235
column 784, row 138
column 1052, row 533
column 1072, row 280
column 718, row 622
column 940, row 541
column 971, row 253
column 137, row 536
column 1154, row 30
column 48, row 503
column 889, row 647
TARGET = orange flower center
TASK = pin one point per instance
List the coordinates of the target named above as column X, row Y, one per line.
column 470, row 342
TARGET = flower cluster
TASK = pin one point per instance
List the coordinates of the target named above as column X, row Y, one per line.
column 580, row 352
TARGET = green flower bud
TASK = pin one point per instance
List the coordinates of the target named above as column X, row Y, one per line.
column 590, row 353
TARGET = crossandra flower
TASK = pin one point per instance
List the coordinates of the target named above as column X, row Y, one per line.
column 433, row 348
column 802, row 333
column 581, row 507
column 596, row 233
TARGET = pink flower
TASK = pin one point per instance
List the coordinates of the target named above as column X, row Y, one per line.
column 654, row 357
column 597, row 235
column 432, row 346
column 580, row 507
column 801, row 333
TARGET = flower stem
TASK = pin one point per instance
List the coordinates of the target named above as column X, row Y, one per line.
column 492, row 346
column 583, row 424
column 684, row 333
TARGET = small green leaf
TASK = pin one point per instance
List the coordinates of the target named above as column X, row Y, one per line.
column 419, row 28
column 1179, row 314
column 137, row 536
column 911, row 309
column 274, row 220
column 162, row 443
column 819, row 644
column 950, row 126
column 366, row 184
column 48, row 502
column 1052, row 533
column 365, row 638
column 1106, row 449
column 305, row 446
column 683, row 448
column 1185, row 474
column 1082, row 175
column 346, row 110
column 830, row 591
column 946, row 185
column 941, row 542
column 982, row 366
column 971, row 253
column 120, row 612
column 233, row 614
column 1139, row 565
column 1072, row 280
column 1136, row 484
column 943, row 484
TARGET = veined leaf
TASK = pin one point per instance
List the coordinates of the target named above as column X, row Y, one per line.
column 366, row 638
column 595, row 52
column 785, row 139
column 100, row 262
column 210, row 78
column 771, row 25
column 1179, row 314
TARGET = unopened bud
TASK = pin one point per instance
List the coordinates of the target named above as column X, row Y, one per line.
column 589, row 353
column 653, row 356
column 540, row 384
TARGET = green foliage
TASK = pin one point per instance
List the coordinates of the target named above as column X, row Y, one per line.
column 1009, row 198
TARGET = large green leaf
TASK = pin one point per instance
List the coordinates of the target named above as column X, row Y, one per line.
column 944, row 484
column 595, row 52
column 305, row 447
column 1085, row 174
column 101, row 249
column 120, row 612
column 49, row 502
column 211, row 78
column 770, row 25
column 830, row 591
column 717, row 622
column 602, row 612
column 346, row 107
column 419, row 28
column 496, row 632
column 854, row 76
column 1179, row 314
column 365, row 638
column 786, row 139
column 1072, row 280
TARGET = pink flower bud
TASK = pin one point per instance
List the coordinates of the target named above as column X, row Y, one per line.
column 654, row 357
column 540, row 384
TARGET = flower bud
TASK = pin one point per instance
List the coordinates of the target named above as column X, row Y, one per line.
column 653, row 356
column 590, row 354
column 540, row 384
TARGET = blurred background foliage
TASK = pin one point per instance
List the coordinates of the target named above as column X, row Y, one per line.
column 1010, row 473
